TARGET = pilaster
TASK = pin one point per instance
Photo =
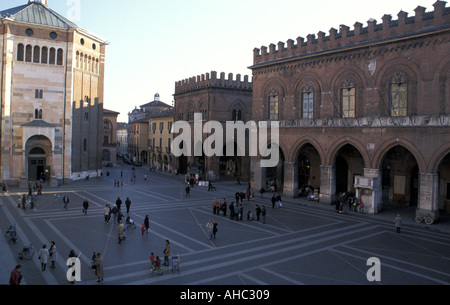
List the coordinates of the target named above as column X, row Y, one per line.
column 327, row 183
column 428, row 195
column 290, row 188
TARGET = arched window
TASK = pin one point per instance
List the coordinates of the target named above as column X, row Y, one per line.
column 20, row 52
column 398, row 94
column 29, row 53
column 308, row 101
column 273, row 104
column 348, row 97
column 38, row 114
column 77, row 60
column 52, row 58
column 44, row 55
column 60, row 60
column 36, row 54
column 236, row 115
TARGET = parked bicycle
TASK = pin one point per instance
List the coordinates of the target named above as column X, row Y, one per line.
column 425, row 218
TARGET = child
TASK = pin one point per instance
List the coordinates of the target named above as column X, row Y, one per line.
column 152, row 258
column 157, row 262
column 249, row 216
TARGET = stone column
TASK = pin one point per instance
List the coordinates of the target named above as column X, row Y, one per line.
column 428, row 195
column 372, row 195
column 327, row 183
column 290, row 188
column 257, row 175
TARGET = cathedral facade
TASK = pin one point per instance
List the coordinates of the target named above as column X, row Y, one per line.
column 363, row 110
column 52, row 82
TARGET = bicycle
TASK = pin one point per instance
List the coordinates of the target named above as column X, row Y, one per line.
column 158, row 270
column 12, row 234
column 425, row 218
column 27, row 252
column 361, row 209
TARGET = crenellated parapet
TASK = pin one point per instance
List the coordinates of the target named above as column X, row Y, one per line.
column 422, row 22
column 209, row 80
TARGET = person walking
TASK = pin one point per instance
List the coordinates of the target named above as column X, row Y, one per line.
column 258, row 212
column 214, row 228
column 231, row 208
column 52, row 254
column 128, row 204
column 273, row 199
column 263, row 214
column 278, row 200
column 24, row 202
column 85, row 206
column 4, row 188
column 209, row 228
column 214, row 205
column 98, row 263
column 166, row 253
column 43, row 256
column 114, row 211
column 236, row 211
column 119, row 216
column 16, row 276
column 120, row 230
column 187, row 190
column 146, row 224
column 398, row 223
column 32, row 200
column 66, row 201
column 107, row 213
column 118, row 202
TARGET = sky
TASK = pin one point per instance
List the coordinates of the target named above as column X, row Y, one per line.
column 153, row 44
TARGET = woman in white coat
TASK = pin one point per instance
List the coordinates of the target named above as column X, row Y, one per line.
column 43, row 257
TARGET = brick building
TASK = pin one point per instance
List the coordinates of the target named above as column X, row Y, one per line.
column 51, row 91
column 219, row 99
column 363, row 110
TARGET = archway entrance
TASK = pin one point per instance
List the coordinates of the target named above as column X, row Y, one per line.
column 349, row 163
column 400, row 180
column 275, row 175
column 38, row 158
column 36, row 164
column 308, row 161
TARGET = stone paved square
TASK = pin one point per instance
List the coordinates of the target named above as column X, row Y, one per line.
column 299, row 244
